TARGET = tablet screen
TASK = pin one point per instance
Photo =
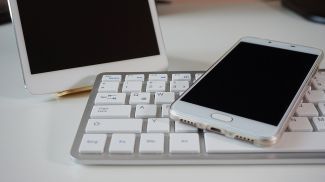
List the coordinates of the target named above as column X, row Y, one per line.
column 68, row 34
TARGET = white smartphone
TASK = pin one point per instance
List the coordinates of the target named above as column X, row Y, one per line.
column 250, row 93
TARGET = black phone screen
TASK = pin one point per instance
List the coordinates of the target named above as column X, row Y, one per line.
column 68, row 34
column 253, row 81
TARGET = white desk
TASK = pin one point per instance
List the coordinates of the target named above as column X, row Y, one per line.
column 36, row 132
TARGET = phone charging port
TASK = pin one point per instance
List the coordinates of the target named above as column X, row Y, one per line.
column 216, row 130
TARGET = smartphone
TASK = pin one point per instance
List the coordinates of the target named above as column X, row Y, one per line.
column 250, row 93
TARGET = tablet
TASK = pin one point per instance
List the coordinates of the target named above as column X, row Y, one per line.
column 64, row 45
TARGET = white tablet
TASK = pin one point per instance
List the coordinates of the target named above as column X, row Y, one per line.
column 64, row 45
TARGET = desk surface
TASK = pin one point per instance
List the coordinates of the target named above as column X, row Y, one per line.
column 36, row 132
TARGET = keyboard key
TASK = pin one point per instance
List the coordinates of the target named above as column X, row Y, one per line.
column 321, row 107
column 111, row 111
column 134, row 77
column 300, row 124
column 320, row 76
column 122, row 143
column 109, row 87
column 198, row 75
column 315, row 96
column 112, row 78
column 114, row 126
column 146, row 111
column 151, row 143
column 184, row 143
column 178, row 86
column 319, row 123
column 92, row 143
column 132, row 86
column 159, row 125
column 289, row 142
column 165, row 110
column 184, row 128
column 318, row 84
column 110, row 98
column 306, row 110
column 181, row 77
column 139, row 98
column 158, row 77
column 156, row 86
column 164, row 97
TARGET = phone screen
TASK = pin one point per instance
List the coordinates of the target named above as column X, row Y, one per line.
column 253, row 81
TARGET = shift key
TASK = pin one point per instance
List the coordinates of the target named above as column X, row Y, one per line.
column 111, row 111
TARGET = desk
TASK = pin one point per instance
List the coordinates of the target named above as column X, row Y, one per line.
column 36, row 132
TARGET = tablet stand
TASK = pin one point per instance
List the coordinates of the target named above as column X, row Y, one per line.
column 74, row 91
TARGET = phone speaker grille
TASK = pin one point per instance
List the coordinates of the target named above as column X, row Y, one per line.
column 245, row 139
column 188, row 122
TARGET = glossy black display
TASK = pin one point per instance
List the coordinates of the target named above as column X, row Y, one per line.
column 253, row 81
column 68, row 34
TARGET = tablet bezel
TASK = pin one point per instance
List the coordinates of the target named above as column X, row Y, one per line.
column 72, row 78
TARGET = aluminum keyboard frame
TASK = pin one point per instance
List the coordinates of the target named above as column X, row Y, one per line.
column 180, row 159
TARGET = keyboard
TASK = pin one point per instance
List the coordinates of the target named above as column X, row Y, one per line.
column 126, row 122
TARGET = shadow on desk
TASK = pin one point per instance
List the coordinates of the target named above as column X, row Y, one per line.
column 63, row 127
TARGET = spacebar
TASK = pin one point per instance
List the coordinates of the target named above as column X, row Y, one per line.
column 289, row 142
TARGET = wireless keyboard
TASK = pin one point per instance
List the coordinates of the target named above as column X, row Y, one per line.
column 126, row 122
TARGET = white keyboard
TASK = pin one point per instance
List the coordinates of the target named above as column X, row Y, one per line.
column 126, row 123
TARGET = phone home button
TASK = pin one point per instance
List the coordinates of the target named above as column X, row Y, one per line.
column 221, row 117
